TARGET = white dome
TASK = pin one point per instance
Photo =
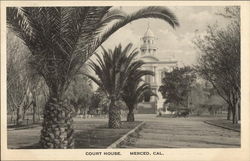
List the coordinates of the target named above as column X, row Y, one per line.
column 149, row 33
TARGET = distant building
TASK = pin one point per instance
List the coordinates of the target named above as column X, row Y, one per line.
column 148, row 53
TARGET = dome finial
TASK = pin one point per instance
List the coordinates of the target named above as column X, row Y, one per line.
column 148, row 32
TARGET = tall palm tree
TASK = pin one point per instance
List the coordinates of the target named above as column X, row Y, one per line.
column 112, row 70
column 135, row 88
column 61, row 40
column 120, row 77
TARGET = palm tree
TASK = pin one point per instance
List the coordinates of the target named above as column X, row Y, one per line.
column 135, row 89
column 119, row 76
column 112, row 70
column 61, row 40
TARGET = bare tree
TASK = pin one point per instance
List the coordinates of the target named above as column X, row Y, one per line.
column 17, row 81
column 220, row 60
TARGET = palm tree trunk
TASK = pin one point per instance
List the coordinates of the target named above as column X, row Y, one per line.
column 114, row 115
column 57, row 129
column 130, row 116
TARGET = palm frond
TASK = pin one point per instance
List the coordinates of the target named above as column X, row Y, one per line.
column 20, row 24
column 114, row 14
column 62, row 39
column 162, row 13
column 94, row 79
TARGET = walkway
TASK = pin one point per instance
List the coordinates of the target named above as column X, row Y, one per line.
column 183, row 133
column 157, row 133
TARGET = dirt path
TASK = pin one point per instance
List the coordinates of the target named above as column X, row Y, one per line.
column 157, row 133
column 183, row 133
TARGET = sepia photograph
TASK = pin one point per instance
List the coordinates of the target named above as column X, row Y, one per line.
column 123, row 77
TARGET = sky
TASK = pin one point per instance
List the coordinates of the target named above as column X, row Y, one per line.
column 170, row 42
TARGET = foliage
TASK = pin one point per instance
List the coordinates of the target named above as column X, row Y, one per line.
column 135, row 87
column 220, row 60
column 177, row 85
column 99, row 101
column 61, row 40
column 119, row 77
column 95, row 101
column 104, row 102
column 23, row 84
column 112, row 70
column 204, row 98
column 17, row 75
column 134, row 92
column 147, row 95
column 79, row 93
column 171, row 107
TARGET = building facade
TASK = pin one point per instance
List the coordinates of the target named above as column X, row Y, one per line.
column 148, row 53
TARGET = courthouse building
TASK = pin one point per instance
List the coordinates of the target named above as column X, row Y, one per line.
column 149, row 54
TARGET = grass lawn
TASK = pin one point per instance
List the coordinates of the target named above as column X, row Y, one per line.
column 89, row 133
column 225, row 123
column 102, row 136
